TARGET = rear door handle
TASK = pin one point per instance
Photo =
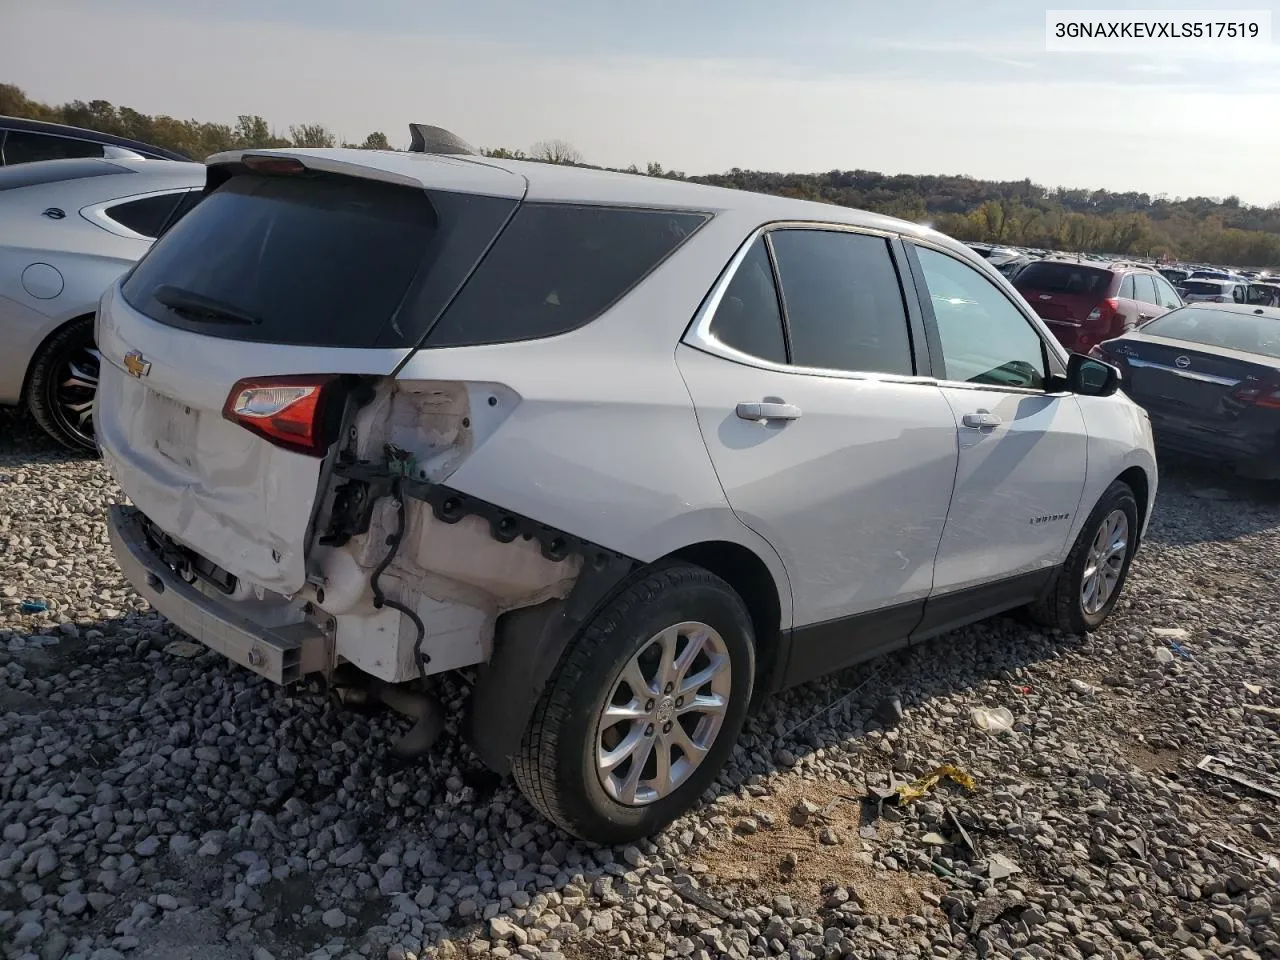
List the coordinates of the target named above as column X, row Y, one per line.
column 979, row 420
column 768, row 411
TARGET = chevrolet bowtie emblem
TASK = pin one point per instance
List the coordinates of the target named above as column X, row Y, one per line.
column 136, row 364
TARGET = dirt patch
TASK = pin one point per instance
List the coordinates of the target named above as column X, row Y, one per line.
column 1149, row 759
column 783, row 858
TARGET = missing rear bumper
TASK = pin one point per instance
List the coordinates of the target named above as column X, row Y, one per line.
column 282, row 654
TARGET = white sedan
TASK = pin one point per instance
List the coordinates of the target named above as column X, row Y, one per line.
column 68, row 229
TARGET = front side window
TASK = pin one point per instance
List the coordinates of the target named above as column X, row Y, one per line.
column 984, row 337
column 843, row 301
column 748, row 318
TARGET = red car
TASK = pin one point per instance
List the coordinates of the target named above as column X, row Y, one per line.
column 1086, row 303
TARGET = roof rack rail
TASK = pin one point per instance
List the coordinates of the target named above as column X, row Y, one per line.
column 424, row 138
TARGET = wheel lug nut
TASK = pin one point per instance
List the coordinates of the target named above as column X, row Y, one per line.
column 648, row 706
column 648, row 731
column 666, row 727
column 669, row 687
column 679, row 701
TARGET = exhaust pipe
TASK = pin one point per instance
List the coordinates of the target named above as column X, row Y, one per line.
column 424, row 709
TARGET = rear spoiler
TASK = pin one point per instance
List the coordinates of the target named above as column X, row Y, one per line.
column 424, row 138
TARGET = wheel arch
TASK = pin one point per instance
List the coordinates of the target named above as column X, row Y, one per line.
column 528, row 642
column 43, row 345
column 750, row 577
column 1140, row 484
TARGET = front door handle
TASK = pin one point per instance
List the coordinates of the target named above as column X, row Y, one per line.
column 768, row 411
column 980, row 420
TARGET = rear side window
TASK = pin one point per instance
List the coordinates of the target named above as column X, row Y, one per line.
column 23, row 147
column 843, row 301
column 317, row 260
column 1071, row 278
column 557, row 267
column 1144, row 289
column 1126, row 287
column 146, row 215
column 185, row 203
column 1166, row 296
column 748, row 318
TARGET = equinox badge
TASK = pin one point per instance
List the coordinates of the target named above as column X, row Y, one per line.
column 137, row 364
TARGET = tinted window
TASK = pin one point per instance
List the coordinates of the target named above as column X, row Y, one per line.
column 1058, row 277
column 1166, row 296
column 1246, row 332
column 315, row 260
column 843, row 301
column 1237, row 293
column 1144, row 289
column 985, row 338
column 29, row 175
column 1126, row 288
column 1264, row 295
column 23, row 147
column 557, row 267
column 1203, row 288
column 145, row 215
column 185, row 203
column 748, row 318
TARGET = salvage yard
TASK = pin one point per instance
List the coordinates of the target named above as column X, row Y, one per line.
column 161, row 806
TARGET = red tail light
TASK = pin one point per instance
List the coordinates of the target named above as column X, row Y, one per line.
column 1257, row 393
column 260, row 164
column 291, row 412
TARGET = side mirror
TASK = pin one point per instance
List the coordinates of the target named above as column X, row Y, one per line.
column 1091, row 378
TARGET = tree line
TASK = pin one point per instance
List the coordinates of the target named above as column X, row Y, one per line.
column 1016, row 212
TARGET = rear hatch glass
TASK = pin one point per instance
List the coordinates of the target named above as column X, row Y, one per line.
column 1201, row 288
column 315, row 260
column 1063, row 291
column 1226, row 329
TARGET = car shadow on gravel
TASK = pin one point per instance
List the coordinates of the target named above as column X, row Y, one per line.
column 1201, row 501
column 23, row 442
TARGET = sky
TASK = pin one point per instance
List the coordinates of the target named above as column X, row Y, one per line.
column 899, row 86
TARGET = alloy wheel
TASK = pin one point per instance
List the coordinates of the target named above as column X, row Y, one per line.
column 663, row 714
column 74, row 385
column 1105, row 562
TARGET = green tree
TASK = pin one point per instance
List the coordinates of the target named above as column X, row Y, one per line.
column 311, row 135
column 376, row 141
column 555, row 151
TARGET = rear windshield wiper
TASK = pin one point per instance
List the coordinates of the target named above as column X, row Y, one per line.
column 199, row 307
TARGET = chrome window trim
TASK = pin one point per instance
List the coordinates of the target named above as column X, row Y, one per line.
column 1188, row 374
column 96, row 213
column 699, row 334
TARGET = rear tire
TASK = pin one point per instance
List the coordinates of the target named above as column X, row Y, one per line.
column 62, row 384
column 1089, row 583
column 591, row 760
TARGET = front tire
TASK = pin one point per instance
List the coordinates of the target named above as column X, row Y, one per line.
column 1089, row 583
column 644, row 707
column 63, row 381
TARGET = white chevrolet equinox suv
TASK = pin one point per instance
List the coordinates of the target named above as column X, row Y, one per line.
column 629, row 452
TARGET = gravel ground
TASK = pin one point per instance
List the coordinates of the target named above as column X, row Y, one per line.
column 159, row 807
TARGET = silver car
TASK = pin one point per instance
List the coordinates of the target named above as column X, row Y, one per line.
column 68, row 228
